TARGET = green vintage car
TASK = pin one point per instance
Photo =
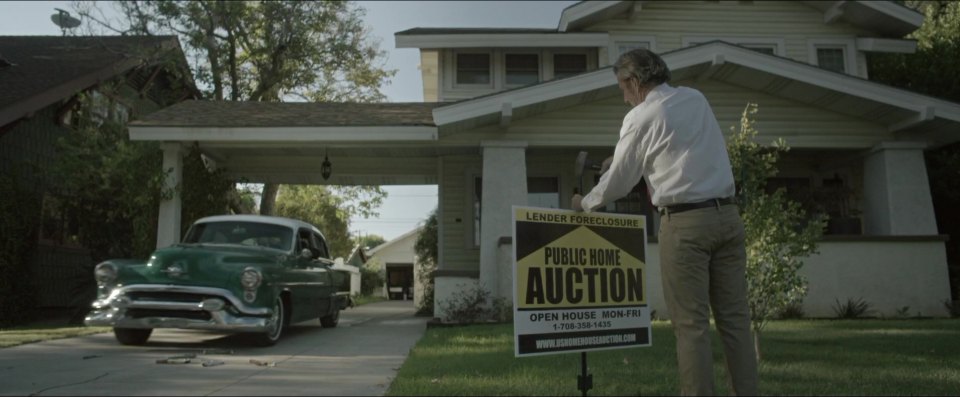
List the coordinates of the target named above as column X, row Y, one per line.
column 234, row 273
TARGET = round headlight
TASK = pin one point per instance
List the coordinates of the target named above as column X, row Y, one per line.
column 105, row 273
column 250, row 278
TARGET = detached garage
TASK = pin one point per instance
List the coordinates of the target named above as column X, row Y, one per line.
column 397, row 263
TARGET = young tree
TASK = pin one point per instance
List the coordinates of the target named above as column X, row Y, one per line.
column 778, row 233
column 329, row 209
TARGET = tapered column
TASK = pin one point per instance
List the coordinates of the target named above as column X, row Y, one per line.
column 168, row 224
column 897, row 199
column 504, row 185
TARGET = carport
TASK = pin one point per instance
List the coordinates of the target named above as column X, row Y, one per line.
column 289, row 143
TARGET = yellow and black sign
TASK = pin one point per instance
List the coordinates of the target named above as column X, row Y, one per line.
column 579, row 281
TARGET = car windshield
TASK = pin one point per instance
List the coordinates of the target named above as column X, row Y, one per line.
column 241, row 233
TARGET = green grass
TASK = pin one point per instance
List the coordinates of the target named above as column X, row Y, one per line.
column 29, row 334
column 802, row 357
column 361, row 300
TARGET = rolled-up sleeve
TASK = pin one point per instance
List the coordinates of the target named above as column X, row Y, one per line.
column 625, row 171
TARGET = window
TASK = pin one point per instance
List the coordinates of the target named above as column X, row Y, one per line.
column 321, row 246
column 637, row 202
column 831, row 58
column 522, row 69
column 769, row 50
column 473, row 68
column 621, row 43
column 766, row 45
column 625, row 46
column 566, row 65
column 541, row 192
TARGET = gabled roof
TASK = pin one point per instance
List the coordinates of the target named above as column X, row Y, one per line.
column 419, row 31
column 289, row 114
column 886, row 17
column 46, row 69
column 393, row 242
column 288, row 121
column 902, row 111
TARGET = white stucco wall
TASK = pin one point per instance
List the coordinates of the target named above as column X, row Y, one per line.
column 886, row 273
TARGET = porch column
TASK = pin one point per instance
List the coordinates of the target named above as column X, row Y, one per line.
column 168, row 224
column 504, row 185
column 897, row 198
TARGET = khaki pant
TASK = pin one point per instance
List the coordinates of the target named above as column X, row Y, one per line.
column 703, row 262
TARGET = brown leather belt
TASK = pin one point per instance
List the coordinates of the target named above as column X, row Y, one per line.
column 676, row 208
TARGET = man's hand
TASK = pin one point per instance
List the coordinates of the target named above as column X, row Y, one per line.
column 606, row 164
column 575, row 203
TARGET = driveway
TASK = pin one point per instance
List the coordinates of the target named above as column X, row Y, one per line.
column 359, row 357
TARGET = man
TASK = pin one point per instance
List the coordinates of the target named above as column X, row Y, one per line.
column 672, row 138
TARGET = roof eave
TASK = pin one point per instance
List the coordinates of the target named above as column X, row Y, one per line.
column 715, row 53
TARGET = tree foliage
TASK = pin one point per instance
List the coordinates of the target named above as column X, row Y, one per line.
column 778, row 233
column 18, row 239
column 427, row 248
column 112, row 184
column 330, row 208
column 266, row 50
column 370, row 241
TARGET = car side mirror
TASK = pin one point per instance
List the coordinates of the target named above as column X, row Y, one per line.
column 306, row 253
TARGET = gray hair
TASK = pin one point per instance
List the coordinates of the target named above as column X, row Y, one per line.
column 643, row 65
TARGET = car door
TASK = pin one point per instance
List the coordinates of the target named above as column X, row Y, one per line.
column 310, row 279
column 328, row 289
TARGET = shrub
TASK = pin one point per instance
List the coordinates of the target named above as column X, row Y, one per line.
column 370, row 281
column 471, row 306
column 792, row 312
column 952, row 307
column 854, row 308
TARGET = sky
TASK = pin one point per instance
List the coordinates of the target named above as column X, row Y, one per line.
column 405, row 206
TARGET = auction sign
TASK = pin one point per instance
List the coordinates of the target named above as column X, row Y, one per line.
column 579, row 281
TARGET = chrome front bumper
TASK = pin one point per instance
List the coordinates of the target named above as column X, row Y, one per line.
column 218, row 310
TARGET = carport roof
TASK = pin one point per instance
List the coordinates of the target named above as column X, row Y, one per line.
column 289, row 114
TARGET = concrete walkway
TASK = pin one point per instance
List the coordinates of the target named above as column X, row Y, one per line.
column 359, row 357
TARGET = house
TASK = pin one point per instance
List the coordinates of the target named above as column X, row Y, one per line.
column 397, row 262
column 40, row 79
column 508, row 111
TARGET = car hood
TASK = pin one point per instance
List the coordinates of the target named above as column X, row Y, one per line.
column 205, row 265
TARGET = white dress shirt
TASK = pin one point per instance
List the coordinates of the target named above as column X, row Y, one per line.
column 673, row 139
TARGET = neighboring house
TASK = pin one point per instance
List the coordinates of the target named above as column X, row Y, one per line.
column 40, row 79
column 357, row 257
column 508, row 110
column 397, row 262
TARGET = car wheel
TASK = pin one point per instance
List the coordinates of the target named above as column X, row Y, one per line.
column 330, row 321
column 132, row 336
column 274, row 325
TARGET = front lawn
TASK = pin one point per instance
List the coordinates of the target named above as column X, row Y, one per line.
column 808, row 357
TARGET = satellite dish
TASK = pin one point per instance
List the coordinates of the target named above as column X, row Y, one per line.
column 63, row 19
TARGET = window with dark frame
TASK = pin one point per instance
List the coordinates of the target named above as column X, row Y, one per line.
column 637, row 202
column 541, row 192
column 522, row 69
column 566, row 65
column 473, row 68
column 764, row 49
column 831, row 58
